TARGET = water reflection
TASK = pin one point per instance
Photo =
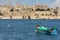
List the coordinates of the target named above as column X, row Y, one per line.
column 42, row 36
column 24, row 30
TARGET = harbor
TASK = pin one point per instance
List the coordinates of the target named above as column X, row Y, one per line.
column 25, row 29
column 29, row 19
column 19, row 11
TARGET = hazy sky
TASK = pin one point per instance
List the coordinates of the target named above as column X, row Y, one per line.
column 50, row 3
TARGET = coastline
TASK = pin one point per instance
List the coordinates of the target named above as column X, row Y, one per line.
column 20, row 17
column 26, row 12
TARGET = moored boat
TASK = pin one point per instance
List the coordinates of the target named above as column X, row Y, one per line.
column 41, row 29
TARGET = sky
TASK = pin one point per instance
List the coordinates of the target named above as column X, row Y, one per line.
column 49, row 3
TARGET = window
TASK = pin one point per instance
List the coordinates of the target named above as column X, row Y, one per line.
column 46, row 14
column 11, row 10
column 1, row 13
column 50, row 14
column 17, row 9
column 36, row 15
column 42, row 14
column 32, row 10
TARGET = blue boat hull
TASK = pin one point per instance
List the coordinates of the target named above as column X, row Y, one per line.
column 54, row 32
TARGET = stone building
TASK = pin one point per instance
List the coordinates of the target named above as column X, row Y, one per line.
column 5, row 8
column 44, row 7
column 27, row 12
column 22, row 8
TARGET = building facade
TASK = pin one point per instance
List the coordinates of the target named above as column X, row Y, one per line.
column 29, row 12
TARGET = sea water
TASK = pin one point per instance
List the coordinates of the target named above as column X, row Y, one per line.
column 25, row 29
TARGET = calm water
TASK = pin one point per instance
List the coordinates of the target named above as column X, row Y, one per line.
column 25, row 29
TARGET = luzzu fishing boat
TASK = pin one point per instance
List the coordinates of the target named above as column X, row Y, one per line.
column 41, row 29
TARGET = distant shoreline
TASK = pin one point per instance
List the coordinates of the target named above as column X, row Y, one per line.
column 26, row 12
column 26, row 18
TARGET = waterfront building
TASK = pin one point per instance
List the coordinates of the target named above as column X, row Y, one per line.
column 20, row 11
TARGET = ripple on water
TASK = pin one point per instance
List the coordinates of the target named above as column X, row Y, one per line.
column 24, row 29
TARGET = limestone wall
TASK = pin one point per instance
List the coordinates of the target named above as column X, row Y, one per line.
column 25, row 12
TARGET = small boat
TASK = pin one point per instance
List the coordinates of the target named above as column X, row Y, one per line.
column 41, row 29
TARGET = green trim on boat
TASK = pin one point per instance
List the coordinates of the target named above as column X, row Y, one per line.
column 42, row 28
